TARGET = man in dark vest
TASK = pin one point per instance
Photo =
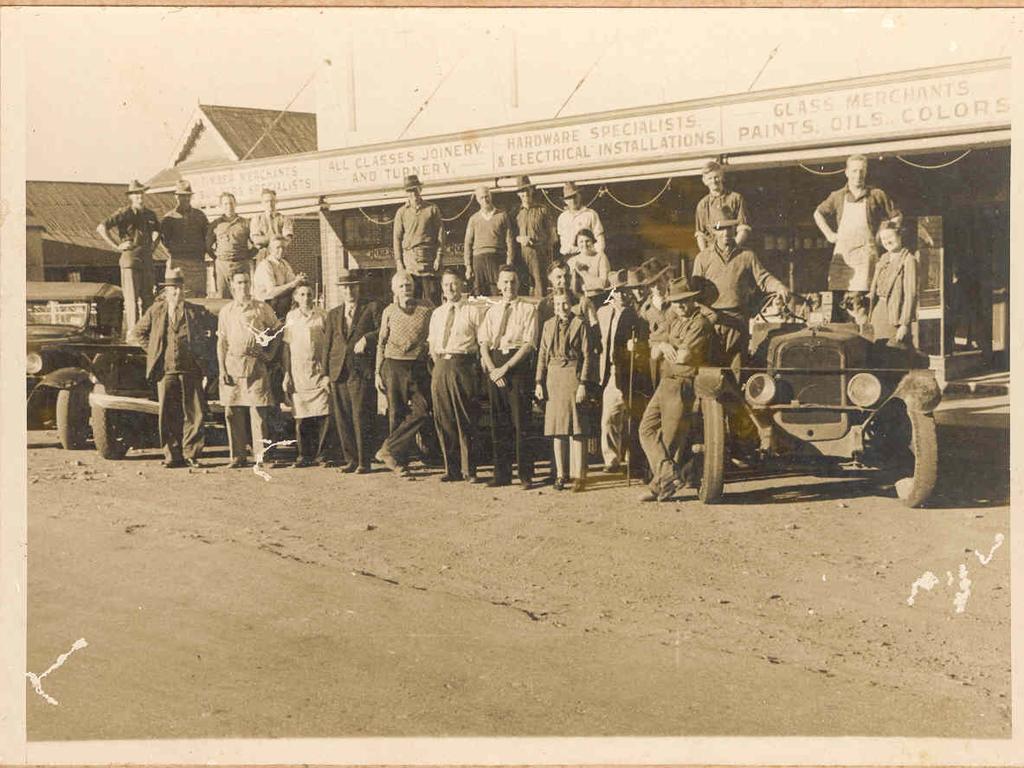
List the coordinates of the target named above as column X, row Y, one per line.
column 177, row 344
column 352, row 329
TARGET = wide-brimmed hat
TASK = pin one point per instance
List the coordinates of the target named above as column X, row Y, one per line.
column 523, row 183
column 635, row 278
column 348, row 277
column 679, row 288
column 569, row 190
column 412, row 181
column 653, row 269
column 136, row 186
column 183, row 187
column 618, row 279
column 173, row 276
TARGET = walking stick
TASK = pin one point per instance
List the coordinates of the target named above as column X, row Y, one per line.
column 629, row 409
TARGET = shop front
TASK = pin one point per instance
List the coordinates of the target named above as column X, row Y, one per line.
column 937, row 141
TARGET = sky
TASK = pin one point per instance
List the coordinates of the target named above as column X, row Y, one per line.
column 110, row 90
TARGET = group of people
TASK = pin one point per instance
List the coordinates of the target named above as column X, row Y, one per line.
column 611, row 354
column 234, row 242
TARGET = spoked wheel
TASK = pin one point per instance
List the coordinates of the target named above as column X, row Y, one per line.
column 713, row 472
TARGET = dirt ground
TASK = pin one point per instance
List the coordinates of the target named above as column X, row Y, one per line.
column 216, row 604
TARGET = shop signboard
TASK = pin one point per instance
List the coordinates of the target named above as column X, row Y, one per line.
column 972, row 98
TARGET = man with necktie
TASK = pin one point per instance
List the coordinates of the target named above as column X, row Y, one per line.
column 352, row 329
column 508, row 338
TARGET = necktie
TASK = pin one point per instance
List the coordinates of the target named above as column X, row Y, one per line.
column 504, row 323
column 448, row 323
column 608, row 344
column 350, row 312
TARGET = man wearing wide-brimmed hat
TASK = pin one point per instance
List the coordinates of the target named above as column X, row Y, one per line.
column 623, row 353
column 178, row 357
column 419, row 241
column 653, row 310
column 352, row 330
column 183, row 233
column 133, row 231
column 535, row 234
column 576, row 217
column 718, row 204
column 665, row 425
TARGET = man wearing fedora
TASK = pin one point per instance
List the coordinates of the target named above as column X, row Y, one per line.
column 183, row 233
column 178, row 358
column 623, row 353
column 133, row 231
column 536, row 235
column 665, row 425
column 574, row 218
column 352, row 329
column 718, row 204
column 488, row 244
column 654, row 309
column 419, row 241
column 728, row 277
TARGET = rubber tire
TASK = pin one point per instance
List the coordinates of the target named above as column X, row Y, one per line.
column 925, row 447
column 713, row 473
column 105, row 437
column 73, row 417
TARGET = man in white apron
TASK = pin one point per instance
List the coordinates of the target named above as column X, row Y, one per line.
column 849, row 218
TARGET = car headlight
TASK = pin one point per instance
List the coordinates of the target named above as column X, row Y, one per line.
column 760, row 389
column 864, row 389
column 33, row 363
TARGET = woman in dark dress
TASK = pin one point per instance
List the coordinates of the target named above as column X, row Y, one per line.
column 565, row 365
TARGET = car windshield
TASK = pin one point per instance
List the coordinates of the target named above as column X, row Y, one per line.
column 73, row 313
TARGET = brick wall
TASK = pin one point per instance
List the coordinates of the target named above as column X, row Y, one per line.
column 303, row 252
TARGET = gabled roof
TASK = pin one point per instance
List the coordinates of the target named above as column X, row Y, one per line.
column 70, row 210
column 234, row 133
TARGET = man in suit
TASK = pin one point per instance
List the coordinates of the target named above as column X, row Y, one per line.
column 177, row 344
column 623, row 336
column 352, row 329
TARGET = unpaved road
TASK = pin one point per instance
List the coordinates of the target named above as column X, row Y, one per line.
column 216, row 604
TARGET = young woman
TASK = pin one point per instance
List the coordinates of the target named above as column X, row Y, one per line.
column 893, row 292
column 305, row 377
column 565, row 365
column 590, row 269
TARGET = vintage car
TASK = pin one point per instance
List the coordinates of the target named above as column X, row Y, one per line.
column 123, row 403
column 820, row 393
column 68, row 327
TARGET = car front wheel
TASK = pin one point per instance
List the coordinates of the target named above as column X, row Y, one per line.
column 713, row 473
column 73, row 417
column 914, row 490
column 105, row 434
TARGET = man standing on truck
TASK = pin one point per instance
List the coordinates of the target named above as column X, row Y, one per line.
column 178, row 359
column 133, row 231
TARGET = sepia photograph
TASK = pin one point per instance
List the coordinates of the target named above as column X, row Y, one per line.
column 508, row 373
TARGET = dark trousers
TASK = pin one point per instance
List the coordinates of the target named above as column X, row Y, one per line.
column 427, row 288
column 407, row 383
column 355, row 404
column 182, row 402
column 311, row 436
column 455, row 412
column 510, row 418
column 665, row 427
column 485, row 273
column 536, row 262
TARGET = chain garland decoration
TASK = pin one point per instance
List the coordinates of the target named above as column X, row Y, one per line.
column 664, row 189
column 912, row 164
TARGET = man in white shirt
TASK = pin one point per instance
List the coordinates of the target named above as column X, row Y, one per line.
column 268, row 224
column 508, row 337
column 274, row 279
column 575, row 217
column 452, row 340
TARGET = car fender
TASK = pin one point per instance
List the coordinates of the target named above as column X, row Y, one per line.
column 65, row 378
column 919, row 391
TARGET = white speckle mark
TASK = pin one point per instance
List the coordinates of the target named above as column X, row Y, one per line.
column 960, row 601
column 888, row 23
column 823, row 578
column 927, row 582
column 996, row 545
column 37, row 680
column 953, row 47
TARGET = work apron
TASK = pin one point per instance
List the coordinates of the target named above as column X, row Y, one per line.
column 855, row 253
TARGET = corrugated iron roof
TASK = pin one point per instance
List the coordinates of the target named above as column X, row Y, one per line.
column 242, row 127
column 70, row 210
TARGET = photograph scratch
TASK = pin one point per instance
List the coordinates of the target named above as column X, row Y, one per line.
column 37, row 680
column 927, row 582
column 997, row 543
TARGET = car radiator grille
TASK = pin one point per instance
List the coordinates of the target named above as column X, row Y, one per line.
column 824, row 389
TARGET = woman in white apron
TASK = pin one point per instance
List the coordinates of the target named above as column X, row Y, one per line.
column 305, row 378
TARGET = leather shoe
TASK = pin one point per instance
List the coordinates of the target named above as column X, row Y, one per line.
column 193, row 463
column 351, row 467
column 560, row 483
column 174, row 464
column 668, row 490
column 363, row 470
column 303, row 463
column 451, row 478
column 526, row 484
column 579, row 486
column 498, row 483
column 649, row 496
